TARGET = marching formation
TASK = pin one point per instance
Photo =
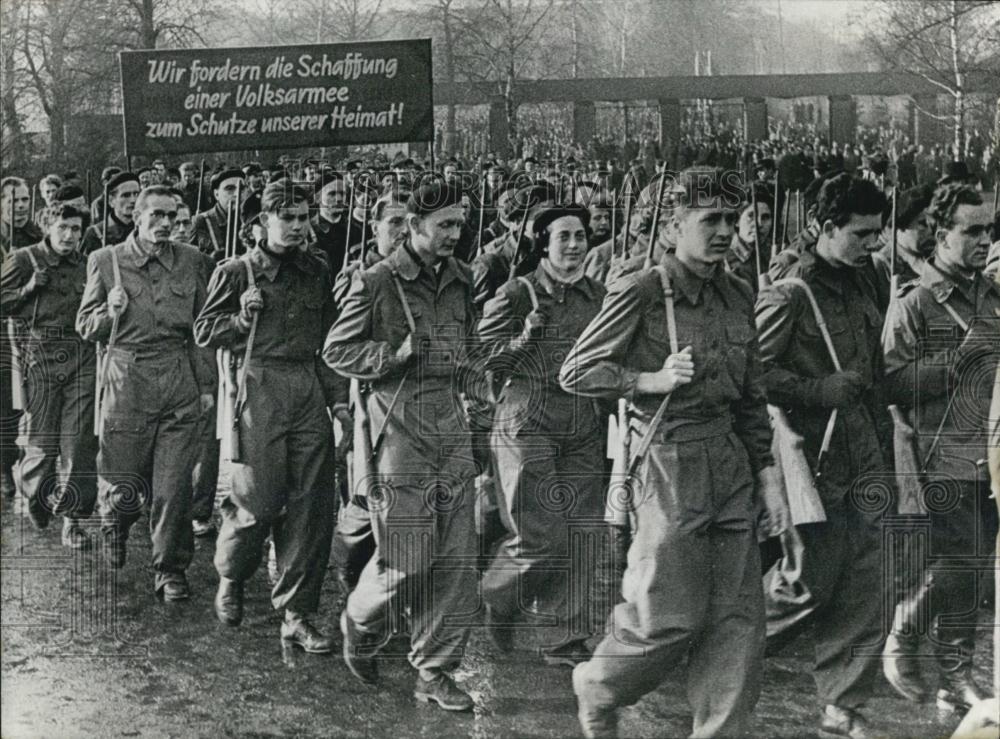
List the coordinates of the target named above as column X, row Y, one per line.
column 469, row 392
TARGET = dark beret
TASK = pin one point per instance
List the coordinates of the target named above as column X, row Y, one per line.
column 67, row 192
column 955, row 172
column 909, row 205
column 432, row 197
column 252, row 168
column 108, row 172
column 326, row 177
column 224, row 175
column 529, row 197
column 549, row 215
column 120, row 179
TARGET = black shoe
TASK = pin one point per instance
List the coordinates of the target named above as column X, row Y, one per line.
column 74, row 537
column 443, row 691
column 959, row 692
column 175, row 590
column 363, row 668
column 502, row 635
column 567, row 655
column 596, row 722
column 839, row 721
column 902, row 668
column 229, row 602
column 113, row 547
column 203, row 529
column 303, row 634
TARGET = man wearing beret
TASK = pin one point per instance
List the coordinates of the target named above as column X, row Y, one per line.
column 405, row 328
column 140, row 300
column 283, row 483
column 123, row 189
column 491, row 268
column 334, row 232
column 210, row 230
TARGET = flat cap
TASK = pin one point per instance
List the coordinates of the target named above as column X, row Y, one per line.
column 219, row 178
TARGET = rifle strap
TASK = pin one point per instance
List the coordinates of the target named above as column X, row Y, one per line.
column 34, row 309
column 377, row 441
column 211, row 232
column 241, row 389
column 817, row 315
column 531, row 291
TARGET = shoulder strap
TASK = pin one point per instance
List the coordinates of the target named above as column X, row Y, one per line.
column 402, row 299
column 531, row 291
column 251, row 282
column 817, row 314
column 31, row 258
column 668, row 302
column 116, row 270
column 211, row 232
column 954, row 316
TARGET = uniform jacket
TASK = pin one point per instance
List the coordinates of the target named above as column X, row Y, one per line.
column 532, row 393
column 920, row 346
column 165, row 292
column 796, row 359
column 491, row 268
column 117, row 230
column 49, row 312
column 298, row 310
column 25, row 235
column 714, row 317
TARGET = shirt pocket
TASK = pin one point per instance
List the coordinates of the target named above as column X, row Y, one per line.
column 737, row 348
column 182, row 296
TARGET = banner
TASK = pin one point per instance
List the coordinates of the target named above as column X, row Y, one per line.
column 276, row 97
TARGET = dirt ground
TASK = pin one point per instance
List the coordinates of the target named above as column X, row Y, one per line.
column 90, row 652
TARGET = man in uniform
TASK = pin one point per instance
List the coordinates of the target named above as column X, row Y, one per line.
column 141, row 300
column 941, row 350
column 751, row 242
column 123, row 189
column 192, row 189
column 282, row 482
column 692, row 585
column 404, row 328
column 97, row 206
column 331, row 225
column 40, row 287
column 914, row 241
column 16, row 226
column 600, row 258
column 16, row 231
column 210, row 226
column 842, row 560
column 353, row 540
column 491, row 268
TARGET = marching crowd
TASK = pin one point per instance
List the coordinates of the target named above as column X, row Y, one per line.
column 448, row 383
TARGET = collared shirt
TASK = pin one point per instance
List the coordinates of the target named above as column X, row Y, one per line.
column 908, row 268
column 923, row 336
column 796, row 360
column 298, row 310
column 372, row 325
column 52, row 306
column 713, row 316
column 742, row 261
column 210, row 231
column 25, row 235
column 491, row 268
column 166, row 289
column 94, row 239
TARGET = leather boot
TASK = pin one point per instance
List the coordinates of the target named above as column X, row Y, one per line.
column 958, row 691
column 900, row 660
column 596, row 722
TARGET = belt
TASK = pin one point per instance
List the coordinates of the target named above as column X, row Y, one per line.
column 279, row 362
column 674, row 430
column 148, row 353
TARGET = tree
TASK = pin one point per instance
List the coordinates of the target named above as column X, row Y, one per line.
column 168, row 23
column 13, row 101
column 508, row 39
column 943, row 41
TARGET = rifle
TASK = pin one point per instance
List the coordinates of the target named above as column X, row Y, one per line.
column 775, row 247
column 482, row 212
column 102, row 370
column 99, row 374
column 364, row 231
column 239, row 398
column 347, row 229
column 366, row 448
column 517, row 244
column 614, row 224
column 656, row 223
column 784, row 218
column 628, row 220
column 201, row 184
